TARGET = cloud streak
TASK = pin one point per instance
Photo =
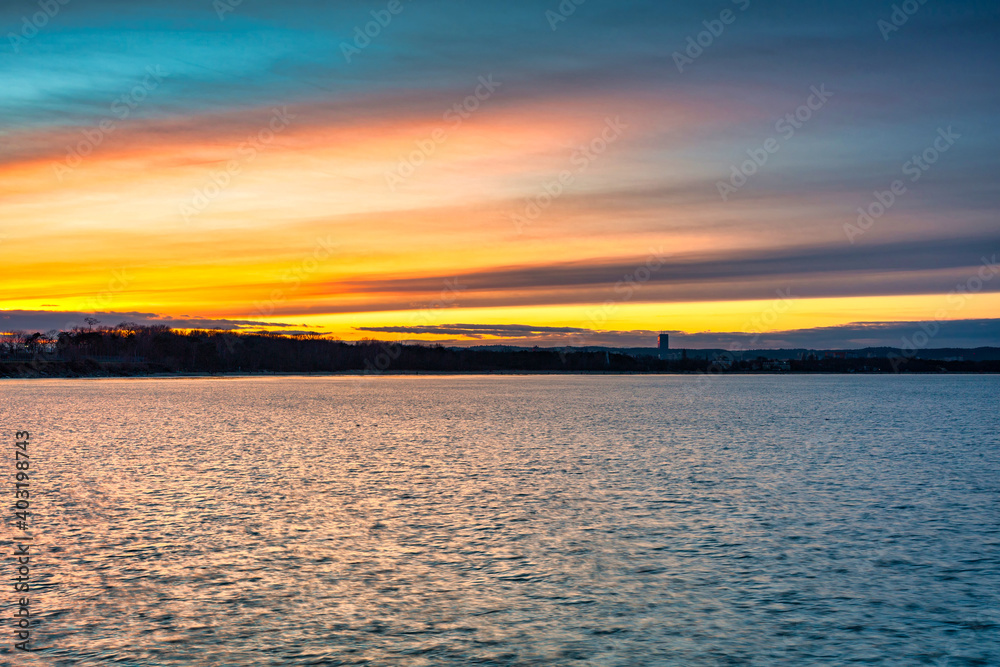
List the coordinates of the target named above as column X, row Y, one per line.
column 45, row 320
column 785, row 265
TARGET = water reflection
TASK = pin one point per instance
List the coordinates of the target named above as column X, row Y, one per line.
column 514, row 520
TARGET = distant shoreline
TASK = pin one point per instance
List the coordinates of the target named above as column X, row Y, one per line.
column 432, row 373
column 137, row 351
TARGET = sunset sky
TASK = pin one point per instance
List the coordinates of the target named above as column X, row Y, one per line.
column 515, row 172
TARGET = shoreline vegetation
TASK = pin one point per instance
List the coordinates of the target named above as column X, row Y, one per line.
column 129, row 350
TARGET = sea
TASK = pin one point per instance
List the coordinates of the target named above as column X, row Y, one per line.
column 506, row 520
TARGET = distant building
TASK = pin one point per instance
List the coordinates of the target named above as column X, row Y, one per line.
column 664, row 346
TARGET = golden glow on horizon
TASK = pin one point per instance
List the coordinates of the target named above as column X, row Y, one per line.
column 733, row 316
column 312, row 215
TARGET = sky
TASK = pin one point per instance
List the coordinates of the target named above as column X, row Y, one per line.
column 523, row 172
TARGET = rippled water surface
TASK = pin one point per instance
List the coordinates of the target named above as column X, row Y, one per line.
column 511, row 520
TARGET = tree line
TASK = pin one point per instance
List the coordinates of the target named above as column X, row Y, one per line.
column 132, row 349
